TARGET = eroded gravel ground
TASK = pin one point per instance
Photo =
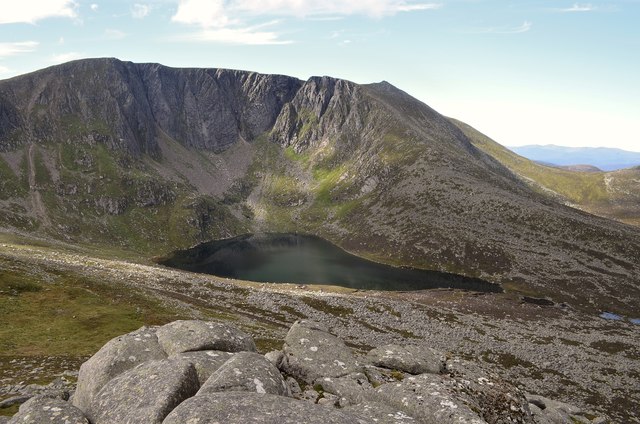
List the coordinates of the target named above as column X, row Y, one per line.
column 548, row 350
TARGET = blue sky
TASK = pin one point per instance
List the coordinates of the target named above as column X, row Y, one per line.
column 523, row 72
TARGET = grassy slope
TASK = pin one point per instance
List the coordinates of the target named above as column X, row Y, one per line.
column 613, row 195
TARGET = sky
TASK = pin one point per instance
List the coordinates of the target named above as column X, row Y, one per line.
column 522, row 72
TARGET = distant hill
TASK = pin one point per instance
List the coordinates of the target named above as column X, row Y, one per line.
column 605, row 158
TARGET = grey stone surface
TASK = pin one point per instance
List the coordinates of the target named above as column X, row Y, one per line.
column 351, row 388
column 42, row 409
column 247, row 372
column 145, row 394
column 193, row 335
column 380, row 413
column 275, row 357
column 427, row 398
column 117, row 356
column 312, row 352
column 411, row 359
column 482, row 390
column 243, row 408
column 206, row 362
column 549, row 411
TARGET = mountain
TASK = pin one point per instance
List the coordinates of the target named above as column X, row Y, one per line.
column 614, row 194
column 605, row 158
column 147, row 158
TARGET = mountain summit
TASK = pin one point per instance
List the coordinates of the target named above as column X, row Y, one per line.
column 151, row 158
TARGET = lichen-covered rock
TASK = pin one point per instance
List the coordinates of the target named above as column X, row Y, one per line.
column 244, row 408
column 548, row 411
column 247, row 372
column 380, row 413
column 43, row 409
column 411, row 359
column 117, row 356
column 145, row 394
column 206, row 362
column 275, row 357
column 482, row 390
column 350, row 389
column 193, row 335
column 427, row 398
column 311, row 352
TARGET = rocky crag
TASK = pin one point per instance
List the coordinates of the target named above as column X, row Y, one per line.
column 208, row 372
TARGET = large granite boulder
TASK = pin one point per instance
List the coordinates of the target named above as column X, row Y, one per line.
column 549, row 411
column 350, row 389
column 117, row 356
column 427, row 398
column 411, row 359
column 43, row 409
column 188, row 336
column 311, row 352
column 247, row 372
column 243, row 408
column 145, row 394
column 206, row 362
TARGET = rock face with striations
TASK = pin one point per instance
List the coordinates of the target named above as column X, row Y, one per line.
column 131, row 106
column 198, row 385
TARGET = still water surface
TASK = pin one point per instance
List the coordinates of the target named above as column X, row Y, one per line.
column 302, row 259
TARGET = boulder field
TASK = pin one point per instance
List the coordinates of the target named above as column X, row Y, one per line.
column 201, row 372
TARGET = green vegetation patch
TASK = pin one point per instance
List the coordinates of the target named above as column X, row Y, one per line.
column 67, row 314
column 10, row 184
column 324, row 306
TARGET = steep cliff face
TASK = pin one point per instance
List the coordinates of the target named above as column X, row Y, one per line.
column 129, row 106
column 155, row 158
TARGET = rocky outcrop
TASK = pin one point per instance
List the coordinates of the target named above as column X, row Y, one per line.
column 132, row 106
column 311, row 352
column 326, row 382
column 117, row 356
column 43, row 409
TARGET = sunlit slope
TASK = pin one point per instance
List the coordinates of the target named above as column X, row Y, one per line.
column 614, row 194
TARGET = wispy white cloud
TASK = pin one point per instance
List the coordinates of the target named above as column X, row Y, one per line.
column 65, row 57
column 140, row 11
column 247, row 36
column 526, row 26
column 4, row 70
column 202, row 12
column 224, row 20
column 578, row 7
column 31, row 11
column 114, row 34
column 10, row 49
column 305, row 8
column 94, row 7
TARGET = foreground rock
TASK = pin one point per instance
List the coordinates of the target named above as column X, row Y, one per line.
column 201, row 372
column 117, row 356
column 411, row 359
column 189, row 336
column 145, row 394
column 241, row 408
column 311, row 352
column 41, row 409
column 247, row 372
